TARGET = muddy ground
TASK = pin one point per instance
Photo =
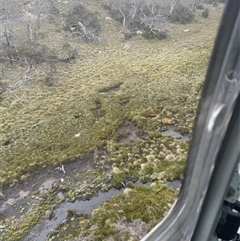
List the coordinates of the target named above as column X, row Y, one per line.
column 18, row 201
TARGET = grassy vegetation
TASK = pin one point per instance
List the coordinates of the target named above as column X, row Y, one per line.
column 38, row 123
column 126, row 216
column 43, row 125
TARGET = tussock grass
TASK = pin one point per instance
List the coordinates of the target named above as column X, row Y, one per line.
column 38, row 121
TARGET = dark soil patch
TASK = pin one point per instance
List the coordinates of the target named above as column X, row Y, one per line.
column 114, row 88
column 17, row 197
column 97, row 111
column 44, row 227
column 124, row 101
column 128, row 133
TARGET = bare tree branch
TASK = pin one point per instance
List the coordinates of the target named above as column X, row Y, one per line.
column 173, row 4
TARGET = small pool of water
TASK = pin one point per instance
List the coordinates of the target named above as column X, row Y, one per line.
column 45, row 226
column 169, row 130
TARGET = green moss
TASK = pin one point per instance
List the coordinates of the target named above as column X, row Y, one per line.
column 118, row 178
column 146, row 203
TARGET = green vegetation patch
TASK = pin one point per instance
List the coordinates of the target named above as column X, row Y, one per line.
column 122, row 216
column 142, row 203
column 49, row 125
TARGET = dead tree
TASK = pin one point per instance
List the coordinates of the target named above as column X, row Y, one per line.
column 154, row 21
column 135, row 15
column 173, row 4
column 6, row 36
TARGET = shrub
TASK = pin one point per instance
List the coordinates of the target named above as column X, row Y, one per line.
column 87, row 19
column 143, row 16
column 48, row 80
column 35, row 53
column 205, row 13
column 155, row 33
column 181, row 14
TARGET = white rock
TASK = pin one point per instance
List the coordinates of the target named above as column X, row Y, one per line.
column 127, row 46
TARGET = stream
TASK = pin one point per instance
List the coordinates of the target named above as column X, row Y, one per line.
column 40, row 231
column 22, row 194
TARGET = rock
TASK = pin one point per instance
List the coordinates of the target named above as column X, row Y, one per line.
column 186, row 30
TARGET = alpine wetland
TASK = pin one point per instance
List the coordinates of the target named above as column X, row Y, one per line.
column 97, row 105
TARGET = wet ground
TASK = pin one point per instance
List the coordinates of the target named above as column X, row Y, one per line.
column 45, row 226
column 172, row 131
column 128, row 132
column 41, row 182
column 18, row 201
